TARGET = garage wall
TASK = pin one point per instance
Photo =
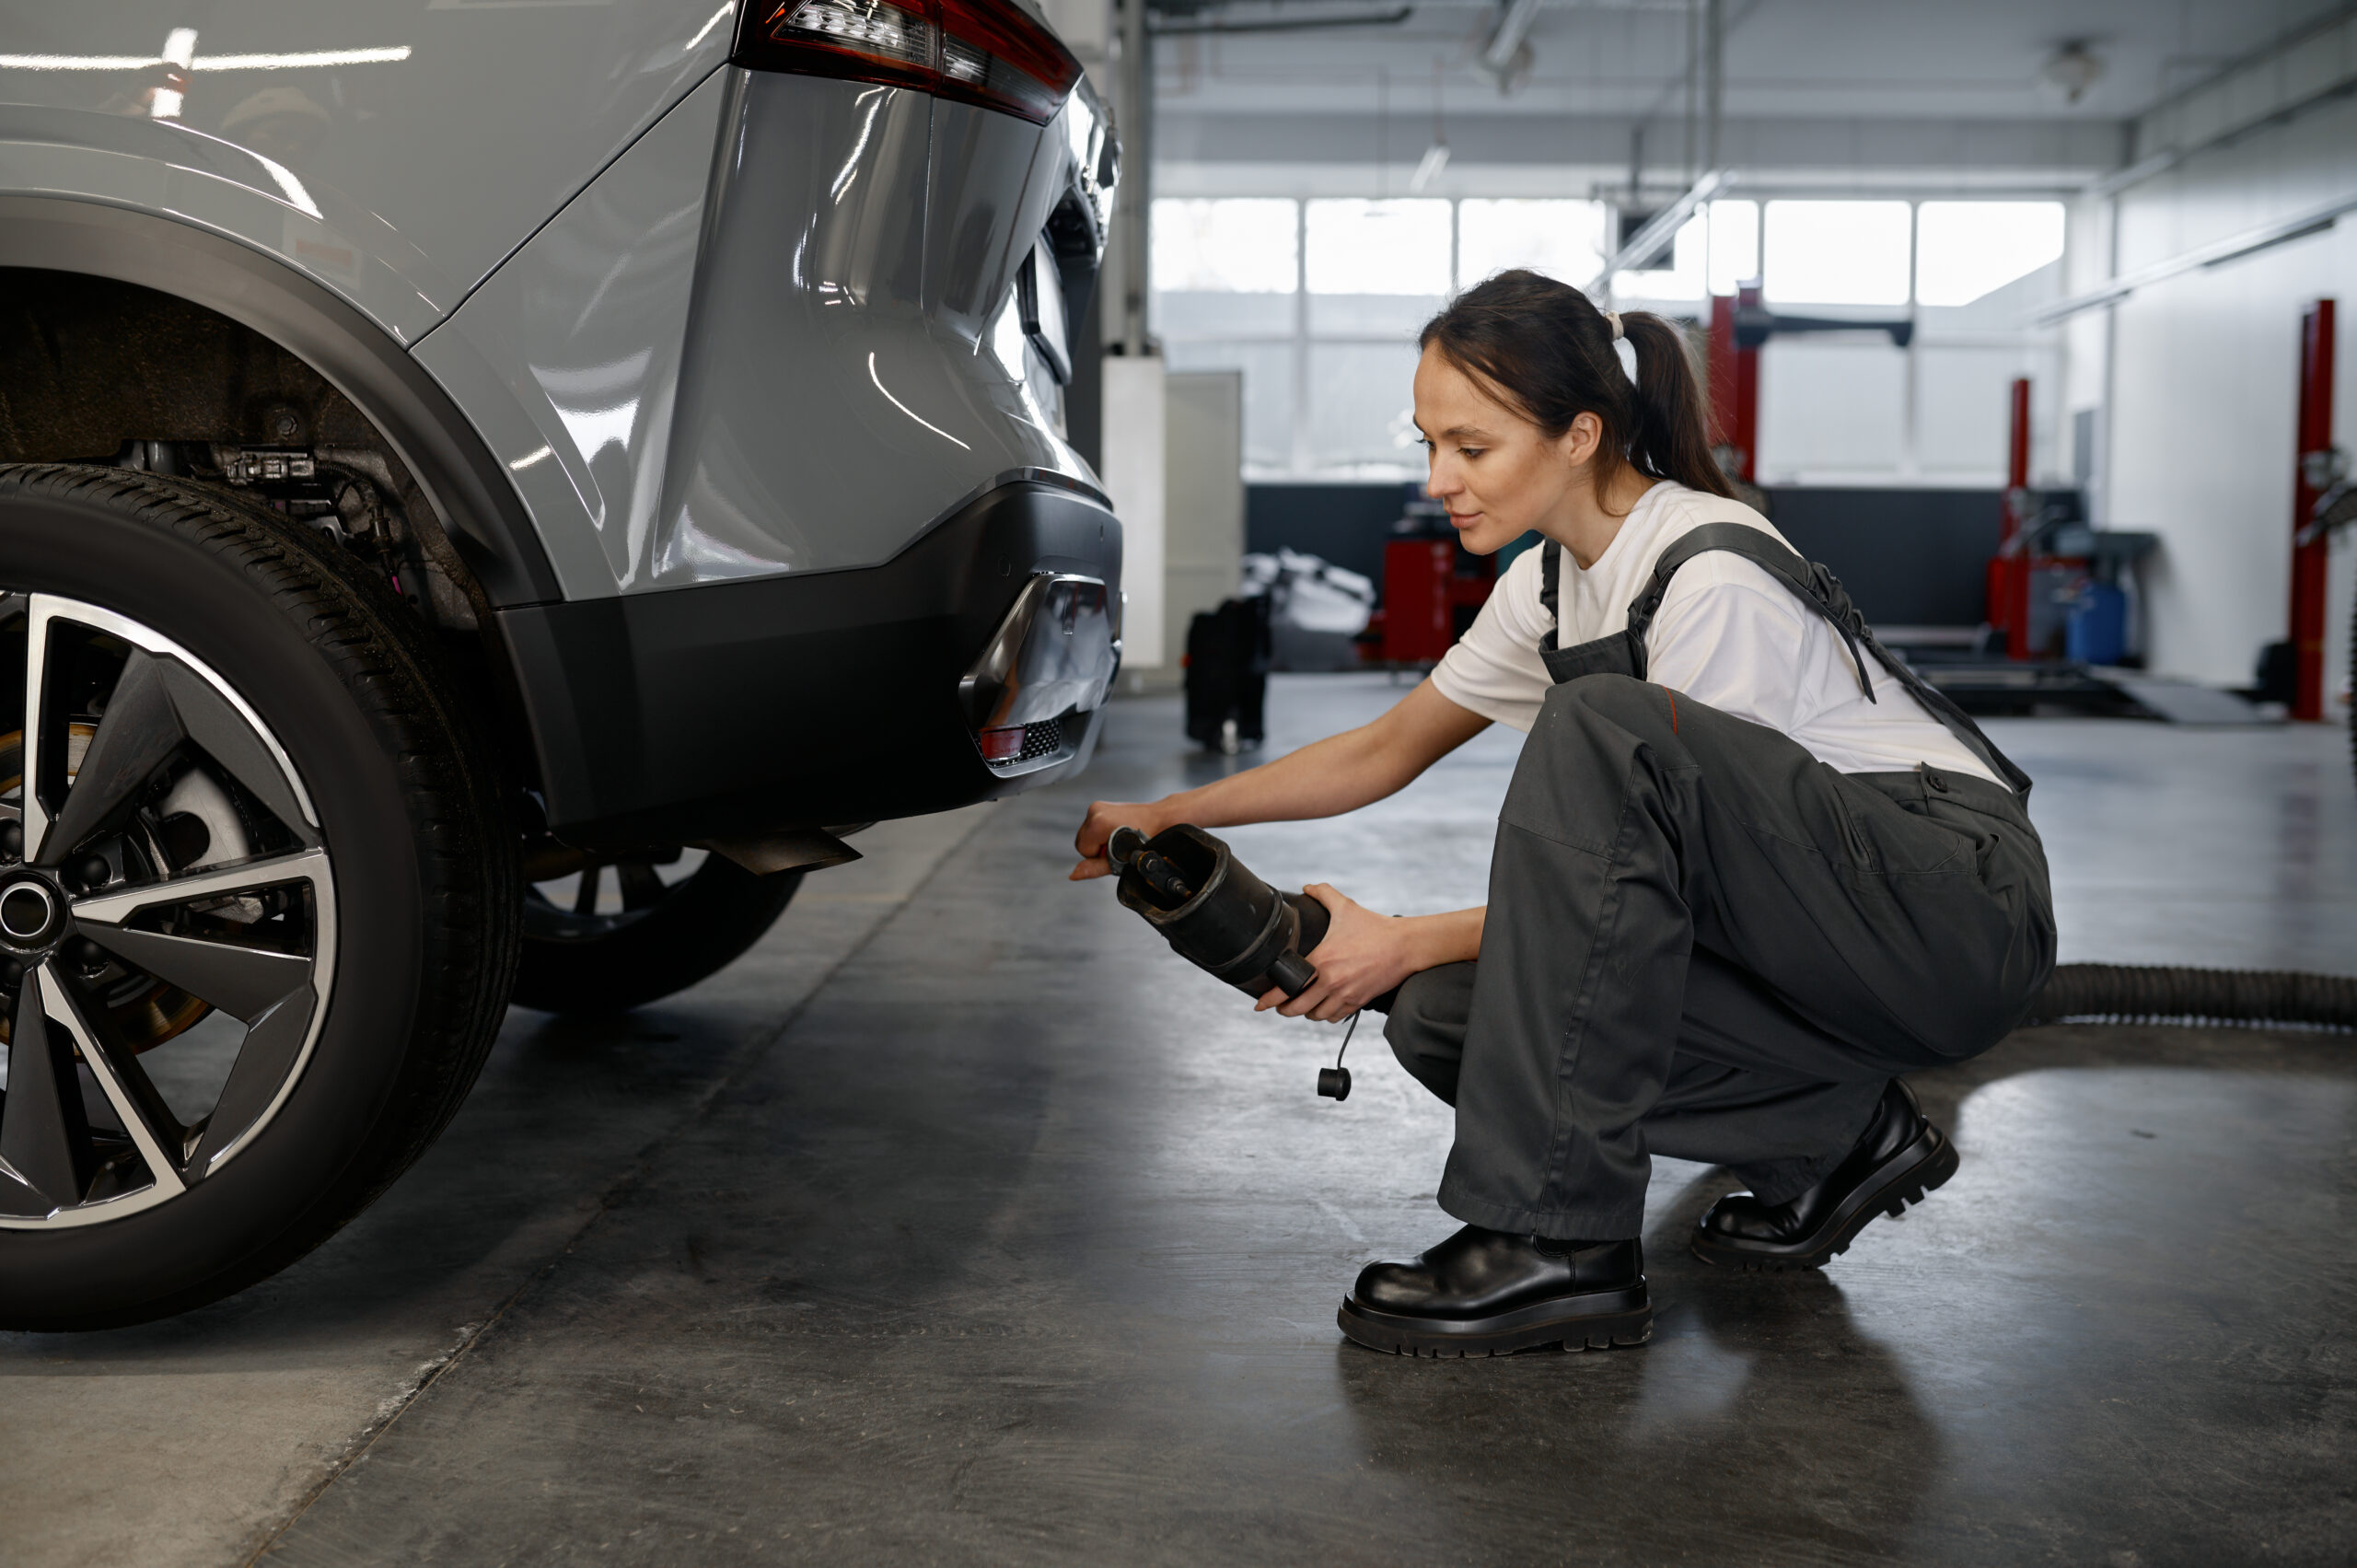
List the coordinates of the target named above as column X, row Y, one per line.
column 2203, row 371
column 1203, row 499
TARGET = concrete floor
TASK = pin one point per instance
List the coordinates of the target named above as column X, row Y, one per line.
column 960, row 1223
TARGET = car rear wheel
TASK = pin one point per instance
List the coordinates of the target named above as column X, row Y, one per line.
column 621, row 933
column 258, row 895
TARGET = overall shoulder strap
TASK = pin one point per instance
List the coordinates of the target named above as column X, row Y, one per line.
column 1550, row 577
column 1811, row 584
column 1818, row 587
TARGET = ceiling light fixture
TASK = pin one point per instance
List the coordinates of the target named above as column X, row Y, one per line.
column 2070, row 71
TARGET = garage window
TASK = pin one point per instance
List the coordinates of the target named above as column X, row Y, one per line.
column 1837, row 252
column 1967, row 250
column 1562, row 240
column 1231, row 246
column 1735, row 245
column 1378, row 248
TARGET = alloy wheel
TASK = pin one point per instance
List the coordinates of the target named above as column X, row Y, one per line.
column 167, row 918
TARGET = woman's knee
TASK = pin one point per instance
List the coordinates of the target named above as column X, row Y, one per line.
column 1580, row 749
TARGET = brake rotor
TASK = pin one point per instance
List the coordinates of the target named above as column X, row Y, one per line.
column 144, row 1012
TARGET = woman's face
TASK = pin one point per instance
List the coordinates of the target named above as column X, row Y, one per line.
column 1499, row 475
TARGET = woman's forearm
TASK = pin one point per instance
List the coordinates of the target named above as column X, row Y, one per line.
column 1338, row 773
column 1451, row 938
column 1325, row 778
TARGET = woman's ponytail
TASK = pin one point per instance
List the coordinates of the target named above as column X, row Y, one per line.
column 1673, row 437
column 1545, row 346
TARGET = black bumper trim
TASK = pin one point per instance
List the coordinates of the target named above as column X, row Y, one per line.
column 735, row 709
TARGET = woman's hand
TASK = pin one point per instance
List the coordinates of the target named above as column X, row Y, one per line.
column 1104, row 816
column 1361, row 956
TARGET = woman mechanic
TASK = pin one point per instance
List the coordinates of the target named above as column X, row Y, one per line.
column 1748, row 870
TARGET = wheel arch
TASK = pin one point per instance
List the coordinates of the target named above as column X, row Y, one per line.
column 471, row 507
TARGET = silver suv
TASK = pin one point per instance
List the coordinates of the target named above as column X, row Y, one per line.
column 490, row 493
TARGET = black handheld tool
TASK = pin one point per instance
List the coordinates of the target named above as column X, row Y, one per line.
column 1214, row 913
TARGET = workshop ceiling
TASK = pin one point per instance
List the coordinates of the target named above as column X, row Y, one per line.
column 1625, row 59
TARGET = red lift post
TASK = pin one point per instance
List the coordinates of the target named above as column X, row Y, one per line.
column 2309, row 560
column 2009, row 569
column 1735, row 384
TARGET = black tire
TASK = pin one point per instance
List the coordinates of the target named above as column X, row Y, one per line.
column 411, row 814
column 606, row 963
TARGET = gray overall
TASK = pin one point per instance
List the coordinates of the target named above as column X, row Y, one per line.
column 1704, row 943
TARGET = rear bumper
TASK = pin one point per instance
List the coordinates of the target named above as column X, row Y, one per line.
column 800, row 701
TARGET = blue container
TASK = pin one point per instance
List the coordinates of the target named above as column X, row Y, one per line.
column 2097, row 630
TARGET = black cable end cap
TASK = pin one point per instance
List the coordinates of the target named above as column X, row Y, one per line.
column 1334, row 1083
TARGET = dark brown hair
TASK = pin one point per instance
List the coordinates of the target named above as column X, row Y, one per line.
column 1548, row 350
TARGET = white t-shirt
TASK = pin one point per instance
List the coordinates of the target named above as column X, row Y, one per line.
column 1727, row 634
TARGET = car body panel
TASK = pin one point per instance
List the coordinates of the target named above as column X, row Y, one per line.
column 843, row 388
column 778, row 335
column 397, row 155
column 157, row 167
column 567, row 357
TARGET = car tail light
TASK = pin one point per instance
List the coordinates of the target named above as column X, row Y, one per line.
column 983, row 52
column 1002, row 745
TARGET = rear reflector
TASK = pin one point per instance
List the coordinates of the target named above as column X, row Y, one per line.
column 1002, row 745
column 983, row 52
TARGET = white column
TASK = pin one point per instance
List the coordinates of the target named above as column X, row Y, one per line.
column 1202, row 520
column 1134, row 471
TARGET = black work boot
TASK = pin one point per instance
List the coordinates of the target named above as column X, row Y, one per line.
column 1901, row 1157
column 1487, row 1293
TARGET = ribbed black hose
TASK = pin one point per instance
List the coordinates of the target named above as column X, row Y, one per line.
column 2126, row 995
column 2122, row 994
